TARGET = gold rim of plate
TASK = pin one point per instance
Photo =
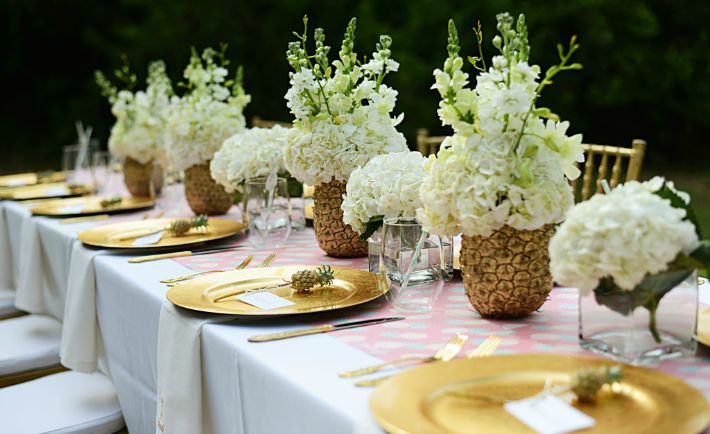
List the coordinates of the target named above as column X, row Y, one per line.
column 90, row 205
column 351, row 287
column 704, row 327
column 44, row 191
column 30, row 178
column 420, row 400
column 114, row 235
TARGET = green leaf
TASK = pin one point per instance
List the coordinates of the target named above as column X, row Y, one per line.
column 702, row 254
column 648, row 294
column 677, row 202
column 372, row 226
column 546, row 113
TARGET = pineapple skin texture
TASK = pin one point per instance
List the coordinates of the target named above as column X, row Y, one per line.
column 334, row 237
column 507, row 274
column 204, row 194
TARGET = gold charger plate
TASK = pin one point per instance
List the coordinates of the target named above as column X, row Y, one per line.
column 90, row 205
column 114, row 235
column 350, row 287
column 308, row 211
column 704, row 327
column 43, row 191
column 24, row 179
column 419, row 400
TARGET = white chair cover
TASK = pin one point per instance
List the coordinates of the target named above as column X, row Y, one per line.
column 28, row 342
column 68, row 402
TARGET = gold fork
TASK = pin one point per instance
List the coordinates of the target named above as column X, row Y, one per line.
column 241, row 266
column 448, row 352
column 453, row 346
column 486, row 348
column 267, row 261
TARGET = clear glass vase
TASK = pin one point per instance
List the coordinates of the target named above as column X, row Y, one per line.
column 410, row 265
column 639, row 337
column 373, row 256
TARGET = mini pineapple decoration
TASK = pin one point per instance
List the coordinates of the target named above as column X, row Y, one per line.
column 588, row 381
column 304, row 280
column 182, row 226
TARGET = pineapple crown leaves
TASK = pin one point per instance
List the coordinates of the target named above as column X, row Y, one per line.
column 325, row 275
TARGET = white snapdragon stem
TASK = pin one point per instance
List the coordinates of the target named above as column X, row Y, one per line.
column 270, row 188
column 605, row 186
column 415, row 259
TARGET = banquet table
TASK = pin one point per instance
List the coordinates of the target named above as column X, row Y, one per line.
column 282, row 386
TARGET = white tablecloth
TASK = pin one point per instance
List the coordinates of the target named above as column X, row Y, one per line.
column 276, row 387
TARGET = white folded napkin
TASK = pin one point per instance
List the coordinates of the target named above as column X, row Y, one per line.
column 81, row 344
column 30, row 296
column 6, row 272
column 179, row 382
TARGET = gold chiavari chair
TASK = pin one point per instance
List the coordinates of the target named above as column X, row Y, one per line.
column 258, row 122
column 596, row 167
column 427, row 144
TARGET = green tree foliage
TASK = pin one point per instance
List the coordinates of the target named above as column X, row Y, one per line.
column 646, row 65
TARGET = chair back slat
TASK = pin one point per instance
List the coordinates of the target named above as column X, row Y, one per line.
column 601, row 173
column 593, row 175
column 616, row 170
column 426, row 144
column 258, row 122
column 588, row 175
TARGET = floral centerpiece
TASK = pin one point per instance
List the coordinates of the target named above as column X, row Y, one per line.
column 627, row 252
column 200, row 121
column 342, row 120
column 502, row 178
column 137, row 135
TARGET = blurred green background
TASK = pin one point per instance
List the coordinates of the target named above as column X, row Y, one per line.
column 646, row 65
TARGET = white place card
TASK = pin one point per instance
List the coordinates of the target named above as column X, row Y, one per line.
column 16, row 183
column 71, row 209
column 148, row 240
column 264, row 300
column 56, row 191
column 548, row 414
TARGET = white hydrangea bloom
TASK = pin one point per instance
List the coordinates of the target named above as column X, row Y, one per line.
column 200, row 121
column 504, row 165
column 626, row 234
column 252, row 153
column 388, row 186
column 140, row 118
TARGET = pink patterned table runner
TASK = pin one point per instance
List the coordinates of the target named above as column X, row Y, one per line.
column 552, row 330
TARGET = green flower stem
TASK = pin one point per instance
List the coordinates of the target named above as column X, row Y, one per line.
column 652, row 308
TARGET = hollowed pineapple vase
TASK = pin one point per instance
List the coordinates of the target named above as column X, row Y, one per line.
column 204, row 194
column 137, row 175
column 334, row 236
column 507, row 274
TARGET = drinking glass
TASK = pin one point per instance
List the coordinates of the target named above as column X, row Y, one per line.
column 412, row 265
column 76, row 164
column 267, row 212
column 101, row 171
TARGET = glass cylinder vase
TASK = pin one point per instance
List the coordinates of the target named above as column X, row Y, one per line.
column 617, row 327
column 373, row 255
column 410, row 265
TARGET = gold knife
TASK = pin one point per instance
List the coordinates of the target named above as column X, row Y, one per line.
column 322, row 329
column 180, row 254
